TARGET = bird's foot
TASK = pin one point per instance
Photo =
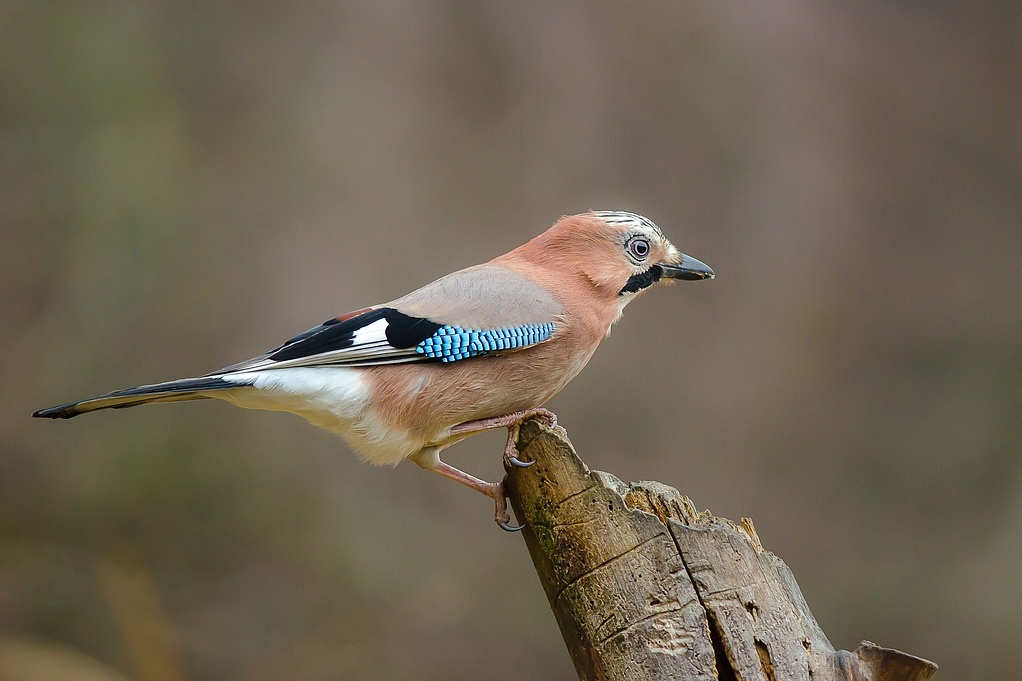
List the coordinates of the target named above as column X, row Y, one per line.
column 511, row 448
column 512, row 422
column 500, row 511
column 495, row 490
column 544, row 416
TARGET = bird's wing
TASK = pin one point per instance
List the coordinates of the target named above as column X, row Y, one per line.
column 477, row 311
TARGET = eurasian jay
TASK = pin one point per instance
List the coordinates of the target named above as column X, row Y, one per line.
column 482, row 348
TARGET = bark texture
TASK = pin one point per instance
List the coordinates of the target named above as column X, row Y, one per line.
column 643, row 586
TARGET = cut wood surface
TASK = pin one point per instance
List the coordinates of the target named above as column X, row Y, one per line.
column 643, row 586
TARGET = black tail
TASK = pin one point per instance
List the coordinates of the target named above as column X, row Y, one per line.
column 171, row 391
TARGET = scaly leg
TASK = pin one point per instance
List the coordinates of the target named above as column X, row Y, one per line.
column 430, row 460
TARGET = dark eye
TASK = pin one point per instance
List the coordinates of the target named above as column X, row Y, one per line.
column 639, row 248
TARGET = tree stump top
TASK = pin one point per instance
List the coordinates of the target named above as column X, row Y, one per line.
column 644, row 586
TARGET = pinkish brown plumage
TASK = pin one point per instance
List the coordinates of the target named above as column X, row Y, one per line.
column 479, row 348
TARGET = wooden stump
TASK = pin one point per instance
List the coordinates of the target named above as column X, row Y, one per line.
column 645, row 587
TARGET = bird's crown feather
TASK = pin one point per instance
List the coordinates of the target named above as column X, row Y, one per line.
column 620, row 217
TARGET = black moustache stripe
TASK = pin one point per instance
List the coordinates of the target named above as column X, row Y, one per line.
column 642, row 280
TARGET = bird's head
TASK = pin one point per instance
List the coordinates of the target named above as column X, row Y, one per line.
column 621, row 253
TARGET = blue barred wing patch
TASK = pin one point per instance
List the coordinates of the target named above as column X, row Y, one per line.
column 451, row 343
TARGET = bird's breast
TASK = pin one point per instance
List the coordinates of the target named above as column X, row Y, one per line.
column 428, row 399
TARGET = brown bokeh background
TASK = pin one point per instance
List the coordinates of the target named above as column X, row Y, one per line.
column 186, row 184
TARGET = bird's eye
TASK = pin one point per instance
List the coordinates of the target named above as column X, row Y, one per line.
column 639, row 248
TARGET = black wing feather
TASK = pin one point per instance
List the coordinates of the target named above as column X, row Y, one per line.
column 402, row 332
column 328, row 336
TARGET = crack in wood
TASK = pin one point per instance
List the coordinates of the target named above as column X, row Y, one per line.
column 596, row 568
column 764, row 660
column 561, row 502
column 631, row 625
column 723, row 669
column 573, row 523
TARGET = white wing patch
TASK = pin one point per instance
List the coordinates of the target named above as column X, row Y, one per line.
column 369, row 346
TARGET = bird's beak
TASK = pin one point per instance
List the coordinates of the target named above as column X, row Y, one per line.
column 689, row 269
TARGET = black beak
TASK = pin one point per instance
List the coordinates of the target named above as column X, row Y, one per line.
column 688, row 269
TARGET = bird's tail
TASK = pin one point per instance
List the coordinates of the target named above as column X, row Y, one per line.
column 171, row 391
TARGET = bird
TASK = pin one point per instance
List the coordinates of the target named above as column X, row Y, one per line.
column 482, row 348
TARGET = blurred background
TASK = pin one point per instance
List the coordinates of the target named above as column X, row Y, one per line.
column 186, row 184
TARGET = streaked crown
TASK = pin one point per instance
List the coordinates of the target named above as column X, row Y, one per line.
column 626, row 219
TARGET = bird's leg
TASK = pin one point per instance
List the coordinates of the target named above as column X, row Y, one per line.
column 512, row 422
column 430, row 460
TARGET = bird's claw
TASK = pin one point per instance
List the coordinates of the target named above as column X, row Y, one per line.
column 511, row 448
column 507, row 527
column 500, row 515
